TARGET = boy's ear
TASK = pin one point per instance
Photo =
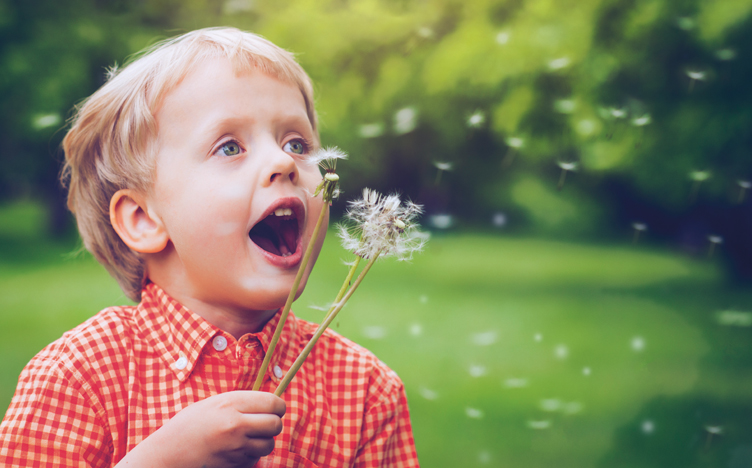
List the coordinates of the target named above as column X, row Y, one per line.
column 132, row 221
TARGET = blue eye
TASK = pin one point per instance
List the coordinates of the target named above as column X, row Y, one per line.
column 230, row 148
column 295, row 147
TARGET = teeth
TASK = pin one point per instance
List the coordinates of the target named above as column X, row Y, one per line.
column 283, row 212
column 287, row 254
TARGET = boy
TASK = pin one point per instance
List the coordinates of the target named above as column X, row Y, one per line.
column 187, row 174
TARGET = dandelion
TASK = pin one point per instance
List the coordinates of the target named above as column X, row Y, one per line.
column 725, row 54
column 617, row 113
column 514, row 145
column 539, row 424
column 638, row 228
column 694, row 76
column 586, row 371
column 565, row 106
column 713, row 240
column 326, row 158
column 641, row 121
column 474, row 413
column 499, row 219
column 561, row 352
column 476, row 120
column 647, row 427
column 42, row 121
column 697, row 178
column 502, row 38
column 384, row 227
column 744, row 185
column 405, row 120
column 559, row 63
column 442, row 166
column 685, row 23
column 515, row 382
column 372, row 130
column 638, row 344
column 442, row 221
column 427, row 393
column 565, row 167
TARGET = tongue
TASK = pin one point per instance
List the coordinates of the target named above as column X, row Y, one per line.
column 288, row 233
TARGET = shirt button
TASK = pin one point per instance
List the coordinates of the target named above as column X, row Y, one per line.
column 219, row 342
column 278, row 372
column 181, row 363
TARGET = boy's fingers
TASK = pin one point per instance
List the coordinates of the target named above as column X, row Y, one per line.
column 252, row 402
column 262, row 425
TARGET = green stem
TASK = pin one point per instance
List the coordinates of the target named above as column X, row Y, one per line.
column 290, row 298
column 320, row 331
column 562, row 178
column 345, row 285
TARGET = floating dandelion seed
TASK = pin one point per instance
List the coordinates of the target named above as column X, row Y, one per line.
column 586, row 127
column 685, row 23
column 416, row 329
column 712, row 431
column 694, row 76
column 638, row 344
column 697, row 178
column 514, row 144
column 441, row 221
column 725, row 54
column 638, row 229
column 485, row 338
column 442, row 166
column 565, row 106
column 713, row 240
column 744, row 185
column 538, row 337
column 499, row 220
column 550, row 404
column 647, row 427
column 586, row 371
column 425, row 32
column 734, row 318
column 502, row 38
column 428, row 394
column 617, row 113
column 423, row 299
column 474, row 413
column 374, row 332
column 405, row 120
column 42, row 121
column 477, row 370
column 515, row 383
column 539, row 424
column 559, row 63
column 641, row 121
column 565, row 167
column 371, row 130
column 484, row 457
column 573, row 407
column 476, row 120
column 561, row 352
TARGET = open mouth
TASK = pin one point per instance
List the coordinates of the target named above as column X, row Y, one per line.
column 277, row 233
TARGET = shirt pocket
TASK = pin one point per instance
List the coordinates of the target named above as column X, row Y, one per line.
column 282, row 458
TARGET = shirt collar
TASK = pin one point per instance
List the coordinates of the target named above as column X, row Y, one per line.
column 180, row 335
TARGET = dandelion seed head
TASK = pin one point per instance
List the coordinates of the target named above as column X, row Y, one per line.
column 374, row 332
column 499, row 219
column 745, row 184
column 515, row 383
column 617, row 113
column 383, row 225
column 561, row 351
column 715, row 430
column 42, row 121
column 477, row 370
column 685, row 23
column 416, row 329
column 485, row 338
column 565, row 106
column 405, row 120
column 474, row 413
column 637, row 226
column 550, row 404
column 442, row 221
column 326, row 158
column 425, row 32
column 586, row 371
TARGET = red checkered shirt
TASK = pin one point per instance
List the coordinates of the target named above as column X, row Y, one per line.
column 94, row 394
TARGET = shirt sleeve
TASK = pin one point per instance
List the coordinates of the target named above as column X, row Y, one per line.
column 387, row 436
column 52, row 421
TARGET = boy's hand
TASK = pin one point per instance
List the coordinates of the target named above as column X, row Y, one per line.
column 231, row 429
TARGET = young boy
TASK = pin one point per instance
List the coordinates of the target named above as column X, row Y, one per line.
column 188, row 177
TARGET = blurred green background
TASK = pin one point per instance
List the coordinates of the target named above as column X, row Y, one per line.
column 585, row 166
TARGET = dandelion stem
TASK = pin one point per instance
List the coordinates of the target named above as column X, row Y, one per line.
column 711, row 250
column 438, row 177
column 345, row 285
column 324, row 325
column 742, row 193
column 290, row 298
column 636, row 236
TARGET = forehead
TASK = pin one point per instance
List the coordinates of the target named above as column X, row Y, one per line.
column 215, row 87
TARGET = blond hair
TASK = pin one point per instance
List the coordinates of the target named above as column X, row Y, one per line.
column 110, row 144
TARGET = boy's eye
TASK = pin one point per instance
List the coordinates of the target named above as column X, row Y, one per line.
column 230, row 148
column 295, row 147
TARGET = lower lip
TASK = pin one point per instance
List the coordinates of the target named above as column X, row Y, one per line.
column 282, row 262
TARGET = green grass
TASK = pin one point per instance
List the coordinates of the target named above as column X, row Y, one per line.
column 514, row 352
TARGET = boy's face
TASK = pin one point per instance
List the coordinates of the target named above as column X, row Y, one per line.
column 233, row 189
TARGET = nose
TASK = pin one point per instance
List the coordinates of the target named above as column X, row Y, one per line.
column 278, row 167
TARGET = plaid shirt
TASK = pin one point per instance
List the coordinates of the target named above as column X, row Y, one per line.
column 94, row 394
